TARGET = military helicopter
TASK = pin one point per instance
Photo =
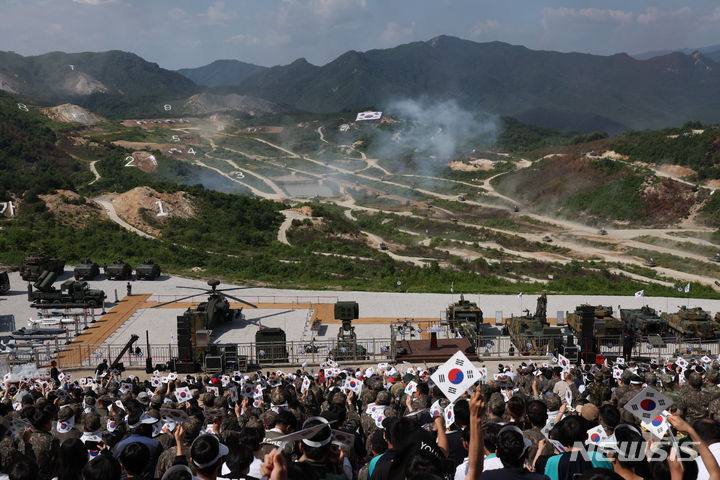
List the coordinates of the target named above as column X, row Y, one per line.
column 216, row 309
column 195, row 325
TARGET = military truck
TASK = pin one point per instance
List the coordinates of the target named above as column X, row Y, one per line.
column 4, row 282
column 147, row 271
column 693, row 323
column 532, row 334
column 644, row 321
column 118, row 271
column 271, row 345
column 86, row 270
column 71, row 291
column 605, row 323
column 347, row 347
column 35, row 264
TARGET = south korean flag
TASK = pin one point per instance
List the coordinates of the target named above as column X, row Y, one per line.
column 455, row 376
column 659, row 425
column 411, row 387
column 449, row 413
column 248, row 390
column 353, row 385
column 681, row 362
column 564, row 362
column 305, row 385
column 648, row 404
column 596, row 435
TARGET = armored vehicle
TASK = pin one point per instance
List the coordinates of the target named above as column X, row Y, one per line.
column 464, row 318
column 644, row 321
column 532, row 334
column 693, row 323
column 4, row 282
column 147, row 271
column 650, row 263
column 605, row 323
column 118, row 271
column 347, row 347
column 603, row 231
column 271, row 345
column 86, row 270
column 547, row 238
column 716, row 257
column 71, row 291
column 35, row 264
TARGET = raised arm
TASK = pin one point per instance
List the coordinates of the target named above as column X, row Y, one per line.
column 475, row 449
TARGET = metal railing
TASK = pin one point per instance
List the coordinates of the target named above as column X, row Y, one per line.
column 299, row 352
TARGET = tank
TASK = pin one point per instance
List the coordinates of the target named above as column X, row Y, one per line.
column 693, row 323
column 650, row 263
column 147, row 271
column 35, row 264
column 4, row 282
column 86, row 270
column 716, row 257
column 605, row 323
column 464, row 317
column 118, row 271
column 533, row 335
column 644, row 321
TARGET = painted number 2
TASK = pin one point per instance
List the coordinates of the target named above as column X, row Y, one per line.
column 130, row 161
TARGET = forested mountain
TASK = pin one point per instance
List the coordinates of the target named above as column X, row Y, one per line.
column 221, row 72
column 549, row 88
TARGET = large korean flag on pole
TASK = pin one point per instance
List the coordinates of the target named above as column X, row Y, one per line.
column 648, row 404
column 456, row 376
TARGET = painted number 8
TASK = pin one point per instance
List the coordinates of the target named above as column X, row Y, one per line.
column 167, row 107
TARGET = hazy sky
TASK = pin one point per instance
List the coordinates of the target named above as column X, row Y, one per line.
column 190, row 33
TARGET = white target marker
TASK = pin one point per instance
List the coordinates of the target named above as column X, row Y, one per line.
column 130, row 161
column 5, row 206
column 167, row 107
column 162, row 213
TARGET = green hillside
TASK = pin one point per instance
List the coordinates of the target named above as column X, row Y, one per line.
column 221, row 72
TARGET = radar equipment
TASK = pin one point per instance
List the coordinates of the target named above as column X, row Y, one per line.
column 532, row 334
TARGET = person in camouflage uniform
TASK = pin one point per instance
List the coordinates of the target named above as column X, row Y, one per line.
column 598, row 392
column 634, row 388
column 693, row 404
column 40, row 445
column 622, row 388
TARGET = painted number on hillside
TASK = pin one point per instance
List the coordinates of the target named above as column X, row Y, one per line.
column 23, row 107
column 176, row 138
column 7, row 206
column 162, row 213
column 191, row 151
column 130, row 161
column 72, row 67
column 239, row 174
column 167, row 107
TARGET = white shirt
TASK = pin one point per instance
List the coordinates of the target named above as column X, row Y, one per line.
column 491, row 462
column 702, row 471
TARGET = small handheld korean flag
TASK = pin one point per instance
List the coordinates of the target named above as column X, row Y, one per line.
column 305, row 385
column 343, row 439
column 411, row 387
column 658, row 426
column 155, row 381
column 617, row 373
column 436, row 410
column 455, row 376
column 706, row 359
column 483, row 374
column 172, row 376
column 620, row 361
column 214, row 390
column 449, row 413
column 379, row 416
column 648, row 404
column 596, row 435
column 354, row 385
column 183, row 394
column 564, row 362
column 233, row 394
column 681, row 362
column 568, row 397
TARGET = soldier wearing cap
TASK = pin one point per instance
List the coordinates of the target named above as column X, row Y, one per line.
column 693, row 404
column 65, row 426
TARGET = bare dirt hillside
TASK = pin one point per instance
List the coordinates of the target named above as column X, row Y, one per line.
column 68, row 113
column 145, row 161
column 71, row 209
column 139, row 207
column 211, row 103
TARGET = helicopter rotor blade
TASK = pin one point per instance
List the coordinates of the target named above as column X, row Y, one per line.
column 230, row 289
column 241, row 301
column 194, row 288
column 173, row 301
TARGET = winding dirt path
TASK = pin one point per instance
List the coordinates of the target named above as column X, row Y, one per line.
column 106, row 203
column 290, row 215
column 94, row 171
